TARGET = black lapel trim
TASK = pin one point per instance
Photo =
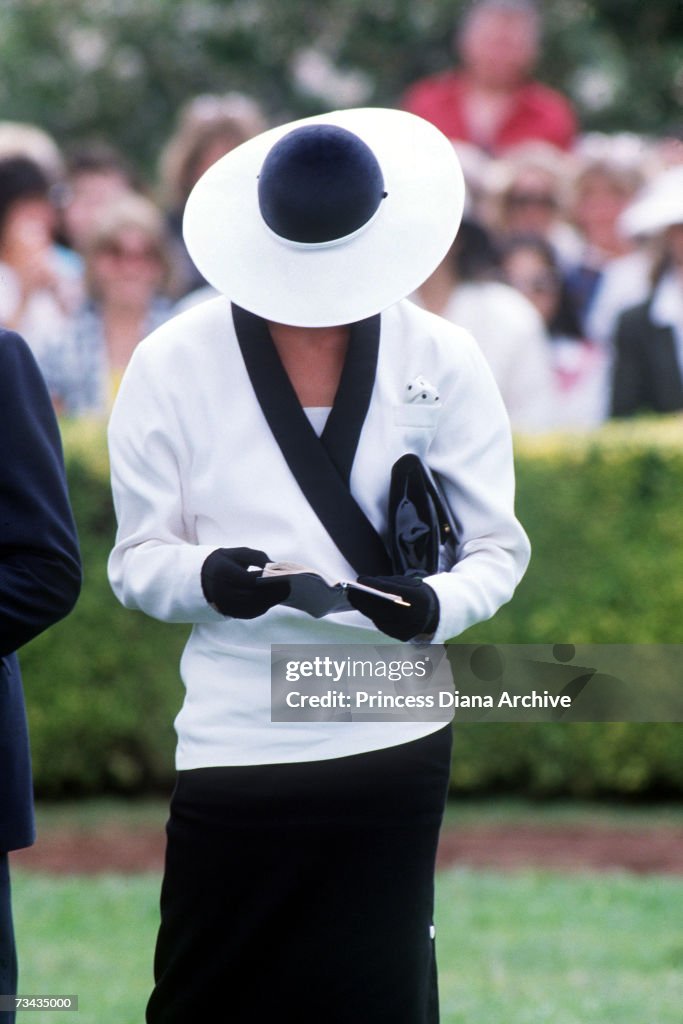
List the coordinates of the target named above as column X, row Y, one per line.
column 345, row 422
column 323, row 479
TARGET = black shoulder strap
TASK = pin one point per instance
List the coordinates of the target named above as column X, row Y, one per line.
column 321, row 465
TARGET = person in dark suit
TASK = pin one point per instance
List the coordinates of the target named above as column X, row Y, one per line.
column 647, row 374
column 40, row 578
column 648, row 339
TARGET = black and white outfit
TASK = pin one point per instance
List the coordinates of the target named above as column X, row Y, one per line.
column 648, row 338
column 648, row 353
column 299, row 872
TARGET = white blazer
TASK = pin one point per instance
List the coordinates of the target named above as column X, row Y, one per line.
column 195, row 466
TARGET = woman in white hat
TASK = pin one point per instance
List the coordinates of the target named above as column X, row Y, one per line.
column 648, row 339
column 264, row 424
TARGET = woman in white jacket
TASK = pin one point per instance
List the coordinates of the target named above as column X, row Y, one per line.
column 263, row 424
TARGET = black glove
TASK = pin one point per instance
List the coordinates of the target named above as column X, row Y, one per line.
column 233, row 591
column 396, row 620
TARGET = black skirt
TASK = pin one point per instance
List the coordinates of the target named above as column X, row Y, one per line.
column 303, row 892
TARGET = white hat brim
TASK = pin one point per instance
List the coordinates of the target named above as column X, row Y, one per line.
column 658, row 207
column 323, row 286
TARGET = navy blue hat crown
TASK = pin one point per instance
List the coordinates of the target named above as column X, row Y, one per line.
column 318, row 184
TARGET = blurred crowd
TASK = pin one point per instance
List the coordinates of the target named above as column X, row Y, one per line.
column 567, row 269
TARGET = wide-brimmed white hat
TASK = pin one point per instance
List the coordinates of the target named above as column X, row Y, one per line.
column 329, row 219
column 658, row 206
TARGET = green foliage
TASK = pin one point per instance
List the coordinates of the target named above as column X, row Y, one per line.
column 120, row 69
column 603, row 514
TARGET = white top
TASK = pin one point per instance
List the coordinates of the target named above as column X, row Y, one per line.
column 510, row 332
column 195, row 467
column 317, row 416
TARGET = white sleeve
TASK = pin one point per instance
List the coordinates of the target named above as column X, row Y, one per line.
column 155, row 566
column 472, row 453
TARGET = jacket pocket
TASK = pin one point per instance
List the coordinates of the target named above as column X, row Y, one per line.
column 423, row 417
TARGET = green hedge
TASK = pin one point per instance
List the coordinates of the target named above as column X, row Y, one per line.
column 604, row 516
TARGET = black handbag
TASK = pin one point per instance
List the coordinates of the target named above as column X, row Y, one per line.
column 422, row 529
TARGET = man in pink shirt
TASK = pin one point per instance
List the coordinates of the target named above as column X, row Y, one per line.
column 492, row 101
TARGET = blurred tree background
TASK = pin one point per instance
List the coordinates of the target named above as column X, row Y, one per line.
column 120, row 69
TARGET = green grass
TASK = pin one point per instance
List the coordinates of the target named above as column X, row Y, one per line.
column 538, row 948
column 130, row 813
column 516, row 811
column 90, row 937
column 109, row 811
column 525, row 948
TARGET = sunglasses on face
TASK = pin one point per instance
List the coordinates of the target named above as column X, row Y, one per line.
column 524, row 200
column 124, row 253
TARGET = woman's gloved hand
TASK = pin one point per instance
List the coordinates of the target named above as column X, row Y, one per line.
column 420, row 619
column 232, row 590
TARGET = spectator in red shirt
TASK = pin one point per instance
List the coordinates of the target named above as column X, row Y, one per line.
column 491, row 100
